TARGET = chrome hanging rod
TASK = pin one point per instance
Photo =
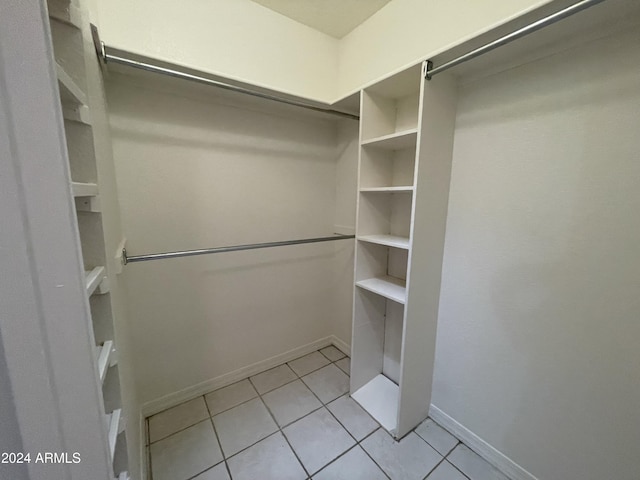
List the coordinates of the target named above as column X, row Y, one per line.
column 108, row 57
column 206, row 251
column 533, row 27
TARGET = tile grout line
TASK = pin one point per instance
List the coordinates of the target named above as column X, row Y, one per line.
column 324, row 405
column 280, row 430
column 215, row 432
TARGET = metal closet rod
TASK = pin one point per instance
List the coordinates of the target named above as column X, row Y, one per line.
column 108, row 57
column 206, row 251
column 533, row 27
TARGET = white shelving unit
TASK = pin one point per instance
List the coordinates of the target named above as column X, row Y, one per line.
column 387, row 240
column 401, row 216
column 386, row 286
column 80, row 189
column 105, row 358
column 393, row 141
column 78, row 76
column 94, row 280
column 70, row 91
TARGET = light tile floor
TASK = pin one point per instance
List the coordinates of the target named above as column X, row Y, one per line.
column 297, row 422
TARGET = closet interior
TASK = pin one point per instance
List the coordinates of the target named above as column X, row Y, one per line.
column 223, row 234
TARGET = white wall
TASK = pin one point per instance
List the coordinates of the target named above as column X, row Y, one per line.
column 538, row 331
column 195, row 172
column 238, row 39
column 242, row 40
column 406, row 32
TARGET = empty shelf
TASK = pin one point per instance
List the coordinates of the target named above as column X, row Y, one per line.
column 379, row 397
column 70, row 92
column 93, row 278
column 389, row 287
column 407, row 189
column 394, row 141
column 105, row 359
column 114, row 422
column 77, row 113
column 65, row 11
column 84, row 189
column 388, row 240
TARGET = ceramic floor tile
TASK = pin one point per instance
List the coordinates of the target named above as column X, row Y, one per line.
column 185, row 454
column 230, row 396
column 178, row 418
column 409, row 459
column 328, row 383
column 317, row 439
column 272, row 379
column 291, row 402
column 344, row 365
column 353, row 417
column 219, row 472
column 308, row 363
column 472, row 465
column 436, row 436
column 243, row 426
column 332, row 353
column 353, row 465
column 270, row 459
column 446, row 471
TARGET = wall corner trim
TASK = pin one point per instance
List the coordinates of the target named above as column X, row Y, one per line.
column 496, row 458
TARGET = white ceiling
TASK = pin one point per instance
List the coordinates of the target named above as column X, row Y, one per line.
column 333, row 17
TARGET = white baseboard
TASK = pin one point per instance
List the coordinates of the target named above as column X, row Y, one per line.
column 189, row 393
column 341, row 345
column 496, row 458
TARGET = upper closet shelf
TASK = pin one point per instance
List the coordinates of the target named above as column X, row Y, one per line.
column 388, row 240
column 394, row 141
column 84, row 189
column 94, row 279
column 388, row 287
column 70, row 92
column 403, row 189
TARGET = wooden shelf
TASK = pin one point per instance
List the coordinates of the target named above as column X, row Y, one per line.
column 105, row 357
column 93, row 279
column 394, row 141
column 379, row 397
column 388, row 240
column 388, row 287
column 403, row 189
column 70, row 92
column 115, row 427
column 84, row 189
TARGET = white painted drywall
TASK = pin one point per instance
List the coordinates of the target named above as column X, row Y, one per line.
column 238, row 39
column 405, row 32
column 242, row 40
column 537, row 348
column 198, row 172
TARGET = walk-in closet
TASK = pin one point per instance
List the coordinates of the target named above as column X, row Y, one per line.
column 319, row 240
